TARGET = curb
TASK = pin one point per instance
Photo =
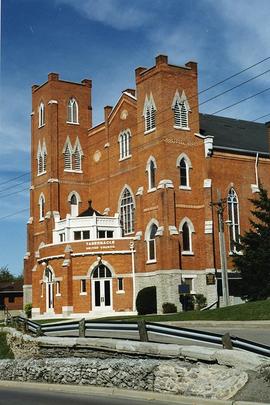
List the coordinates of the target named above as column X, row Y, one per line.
column 123, row 394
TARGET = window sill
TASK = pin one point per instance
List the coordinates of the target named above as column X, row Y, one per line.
column 72, row 123
column 182, row 128
column 151, row 261
column 185, row 188
column 151, row 190
column 187, row 253
column 41, row 174
column 41, row 219
column 120, row 292
column 41, row 126
column 58, row 295
column 83, row 293
column 149, row 131
column 73, row 171
column 125, row 158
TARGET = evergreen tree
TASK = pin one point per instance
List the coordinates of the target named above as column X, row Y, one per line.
column 254, row 260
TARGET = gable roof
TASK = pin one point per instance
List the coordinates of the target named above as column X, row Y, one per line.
column 90, row 211
column 230, row 133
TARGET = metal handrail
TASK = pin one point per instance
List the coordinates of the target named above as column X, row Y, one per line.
column 145, row 331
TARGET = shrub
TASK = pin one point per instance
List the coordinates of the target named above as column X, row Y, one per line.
column 200, row 301
column 168, row 308
column 28, row 310
column 146, row 301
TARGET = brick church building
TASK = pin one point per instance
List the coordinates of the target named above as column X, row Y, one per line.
column 126, row 204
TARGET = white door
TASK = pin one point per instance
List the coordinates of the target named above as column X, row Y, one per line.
column 49, row 291
column 101, row 289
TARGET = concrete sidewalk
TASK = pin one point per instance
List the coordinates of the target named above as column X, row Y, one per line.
column 123, row 394
column 219, row 324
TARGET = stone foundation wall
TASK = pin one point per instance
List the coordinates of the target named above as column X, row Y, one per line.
column 176, row 377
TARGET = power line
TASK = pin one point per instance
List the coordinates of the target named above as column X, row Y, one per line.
column 202, row 91
column 13, row 214
column 262, row 116
column 14, row 178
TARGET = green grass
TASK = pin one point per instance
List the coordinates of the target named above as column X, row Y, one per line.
column 5, row 352
column 259, row 310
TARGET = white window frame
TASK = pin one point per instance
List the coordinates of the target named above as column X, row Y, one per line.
column 74, row 208
column 122, row 290
column 127, row 211
column 188, row 167
column 58, row 289
column 152, row 223
column 151, row 160
column 191, row 231
column 83, row 283
column 124, row 144
column 41, row 203
column 41, row 115
column 181, row 121
column 192, row 278
column 149, row 114
column 73, row 111
column 77, row 149
column 232, row 202
column 73, row 156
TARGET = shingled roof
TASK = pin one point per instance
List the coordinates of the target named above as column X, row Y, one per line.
column 230, row 133
column 90, row 211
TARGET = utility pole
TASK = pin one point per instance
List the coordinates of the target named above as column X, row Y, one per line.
column 220, row 206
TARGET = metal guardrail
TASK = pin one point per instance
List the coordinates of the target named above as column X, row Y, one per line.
column 140, row 330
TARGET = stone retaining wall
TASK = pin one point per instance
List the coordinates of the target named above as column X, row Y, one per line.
column 176, row 377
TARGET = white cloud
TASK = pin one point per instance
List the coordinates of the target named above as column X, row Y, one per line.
column 119, row 14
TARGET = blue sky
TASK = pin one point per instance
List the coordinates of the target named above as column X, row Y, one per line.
column 105, row 40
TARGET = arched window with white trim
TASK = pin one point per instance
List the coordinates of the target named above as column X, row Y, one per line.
column 67, row 151
column 183, row 164
column 41, row 115
column 181, row 110
column 151, row 168
column 39, row 160
column 74, row 200
column 150, row 238
column 41, row 204
column 233, row 216
column 149, row 113
column 73, row 111
column 77, row 156
column 186, row 229
column 127, row 210
column 124, row 144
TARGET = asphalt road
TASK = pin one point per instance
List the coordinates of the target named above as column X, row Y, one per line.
column 34, row 396
column 260, row 335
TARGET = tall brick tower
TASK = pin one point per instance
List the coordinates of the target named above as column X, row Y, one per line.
column 61, row 116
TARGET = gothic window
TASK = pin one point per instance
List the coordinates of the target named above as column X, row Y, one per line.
column 127, row 209
column 74, row 200
column 41, row 207
column 68, row 158
column 151, row 242
column 151, row 168
column 73, row 156
column 124, row 144
column 149, row 113
column 41, row 159
column 41, row 115
column 184, row 165
column 233, row 215
column 73, row 113
column 181, row 109
column 186, row 230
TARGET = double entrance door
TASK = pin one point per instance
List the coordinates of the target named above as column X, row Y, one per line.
column 101, row 289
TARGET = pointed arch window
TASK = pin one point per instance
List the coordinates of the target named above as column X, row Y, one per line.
column 41, row 159
column 41, row 207
column 186, row 229
column 73, row 111
column 73, row 156
column 68, row 158
column 233, row 216
column 149, row 113
column 124, row 144
column 127, row 209
column 74, row 205
column 41, row 115
column 181, row 109
column 151, row 243
column 183, row 164
column 151, row 169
